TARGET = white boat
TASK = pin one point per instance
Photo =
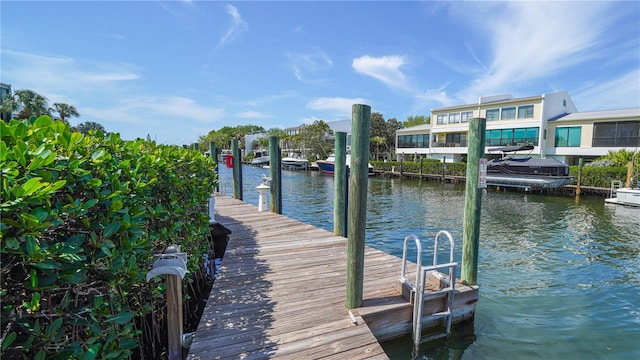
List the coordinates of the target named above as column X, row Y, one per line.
column 260, row 158
column 292, row 163
column 624, row 196
column 327, row 166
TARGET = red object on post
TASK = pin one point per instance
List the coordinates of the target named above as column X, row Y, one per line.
column 229, row 160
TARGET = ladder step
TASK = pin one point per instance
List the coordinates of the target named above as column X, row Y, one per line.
column 434, row 336
column 438, row 315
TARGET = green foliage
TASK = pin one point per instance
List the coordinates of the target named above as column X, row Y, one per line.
column 382, row 129
column 599, row 176
column 81, row 217
column 416, row 120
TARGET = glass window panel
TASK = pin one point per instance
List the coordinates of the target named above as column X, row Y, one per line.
column 492, row 114
column 525, row 111
column 508, row 113
column 574, row 134
column 561, row 137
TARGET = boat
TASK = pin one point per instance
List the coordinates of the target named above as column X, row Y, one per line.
column 223, row 155
column 327, row 166
column 293, row 163
column 260, row 158
column 622, row 195
column 525, row 171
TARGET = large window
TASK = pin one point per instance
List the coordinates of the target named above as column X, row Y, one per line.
column 616, row 133
column 442, row 119
column 493, row 114
column 508, row 137
column 466, row 115
column 525, row 112
column 456, row 140
column 413, row 141
column 568, row 136
column 508, row 113
column 454, row 118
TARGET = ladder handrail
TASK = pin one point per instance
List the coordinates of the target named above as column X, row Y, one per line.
column 403, row 272
column 451, row 248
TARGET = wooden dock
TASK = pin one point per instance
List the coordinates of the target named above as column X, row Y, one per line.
column 281, row 294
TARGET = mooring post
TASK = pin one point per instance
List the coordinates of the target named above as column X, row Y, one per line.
column 213, row 151
column 580, row 162
column 444, row 166
column 275, row 170
column 237, row 170
column 629, row 182
column 472, row 202
column 420, row 167
column 173, row 265
column 340, row 183
column 358, row 184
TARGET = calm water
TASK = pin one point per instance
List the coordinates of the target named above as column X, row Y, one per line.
column 559, row 278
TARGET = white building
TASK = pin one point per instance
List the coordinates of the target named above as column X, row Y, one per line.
column 549, row 122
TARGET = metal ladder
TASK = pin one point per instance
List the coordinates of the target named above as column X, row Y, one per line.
column 418, row 292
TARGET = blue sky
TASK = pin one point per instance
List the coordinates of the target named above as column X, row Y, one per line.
column 177, row 69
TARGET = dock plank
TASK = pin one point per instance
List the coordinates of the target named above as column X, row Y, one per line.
column 282, row 288
column 281, row 292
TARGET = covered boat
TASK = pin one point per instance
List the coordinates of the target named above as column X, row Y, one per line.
column 328, row 167
column 525, row 171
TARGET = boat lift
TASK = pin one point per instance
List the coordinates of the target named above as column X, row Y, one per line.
column 418, row 289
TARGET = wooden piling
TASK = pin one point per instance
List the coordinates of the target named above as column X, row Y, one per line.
column 358, row 184
column 340, row 183
column 275, row 171
column 174, row 316
column 580, row 162
column 213, row 151
column 237, row 170
column 472, row 202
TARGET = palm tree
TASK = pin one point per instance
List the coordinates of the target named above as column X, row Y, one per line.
column 28, row 102
column 65, row 111
column 88, row 125
column 378, row 141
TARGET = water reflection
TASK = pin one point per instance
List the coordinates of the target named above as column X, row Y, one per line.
column 558, row 277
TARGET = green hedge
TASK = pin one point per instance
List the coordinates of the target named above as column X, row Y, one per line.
column 599, row 176
column 591, row 176
column 429, row 166
column 81, row 217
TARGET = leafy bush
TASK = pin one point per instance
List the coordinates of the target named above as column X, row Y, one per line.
column 81, row 217
column 599, row 176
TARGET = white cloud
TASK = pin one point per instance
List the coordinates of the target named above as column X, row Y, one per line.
column 45, row 74
column 236, row 28
column 340, row 105
column 615, row 94
column 533, row 40
column 250, row 114
column 145, row 109
column 307, row 65
column 385, row 69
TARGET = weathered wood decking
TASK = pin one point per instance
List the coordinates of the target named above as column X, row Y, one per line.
column 281, row 293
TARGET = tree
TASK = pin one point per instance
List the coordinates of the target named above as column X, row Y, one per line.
column 313, row 138
column 27, row 103
column 85, row 127
column 378, row 141
column 65, row 111
column 223, row 136
column 384, row 129
column 416, row 120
